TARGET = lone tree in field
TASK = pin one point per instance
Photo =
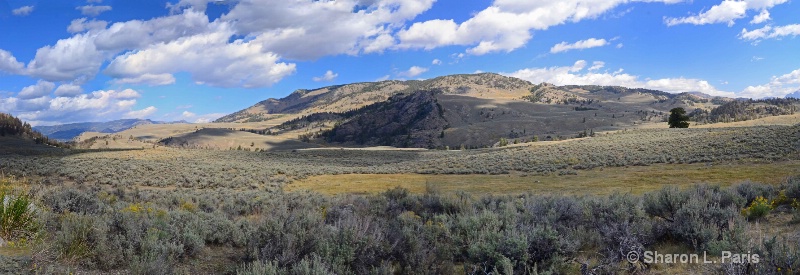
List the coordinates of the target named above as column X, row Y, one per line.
column 678, row 118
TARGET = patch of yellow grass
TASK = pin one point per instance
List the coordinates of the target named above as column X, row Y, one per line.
column 637, row 180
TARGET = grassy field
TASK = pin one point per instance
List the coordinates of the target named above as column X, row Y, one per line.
column 634, row 179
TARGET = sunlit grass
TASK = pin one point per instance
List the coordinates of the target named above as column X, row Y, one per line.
column 634, row 179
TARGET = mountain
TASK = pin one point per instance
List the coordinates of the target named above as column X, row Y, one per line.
column 66, row 132
column 474, row 110
column 342, row 98
column 796, row 94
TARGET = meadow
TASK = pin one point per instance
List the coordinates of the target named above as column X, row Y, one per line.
column 562, row 207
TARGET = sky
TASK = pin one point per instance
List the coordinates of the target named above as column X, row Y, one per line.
column 64, row 61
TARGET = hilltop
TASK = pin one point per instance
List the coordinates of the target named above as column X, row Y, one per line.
column 474, row 110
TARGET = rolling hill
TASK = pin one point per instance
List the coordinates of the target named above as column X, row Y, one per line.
column 67, row 132
column 476, row 110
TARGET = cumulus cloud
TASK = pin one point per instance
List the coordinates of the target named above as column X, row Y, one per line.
column 295, row 29
column 769, row 32
column 761, row 17
column 82, row 24
column 580, row 45
column 92, row 10
column 22, row 11
column 209, row 58
column 727, row 12
column 143, row 113
column 74, row 58
column 576, row 75
column 504, row 26
column 68, row 90
column 195, row 118
column 328, row 76
column 98, row 105
column 40, row 89
column 778, row 86
column 149, row 79
column 413, row 71
column 596, row 65
column 436, row 62
column 9, row 64
column 137, row 34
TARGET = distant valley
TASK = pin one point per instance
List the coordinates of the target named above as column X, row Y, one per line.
column 67, row 132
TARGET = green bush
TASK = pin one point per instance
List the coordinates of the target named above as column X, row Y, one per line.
column 17, row 217
column 759, row 208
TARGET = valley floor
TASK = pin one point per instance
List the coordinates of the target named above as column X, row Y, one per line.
column 540, row 206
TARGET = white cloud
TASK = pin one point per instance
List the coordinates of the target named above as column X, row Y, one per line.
column 295, row 29
column 9, row 64
column 778, row 86
column 596, row 65
column 137, row 34
column 436, row 62
column 149, row 79
column 68, row 90
column 74, row 58
column 96, row 106
column 23, row 11
column 195, row 118
column 761, row 17
column 575, row 75
column 728, row 12
column 769, row 32
column 209, row 58
column 580, row 45
column 207, row 118
column 328, row 76
column 504, row 26
column 143, row 113
column 413, row 71
column 92, row 10
column 383, row 78
column 40, row 89
column 81, row 25
column 187, row 114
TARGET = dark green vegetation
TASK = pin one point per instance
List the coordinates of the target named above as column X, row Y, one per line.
column 741, row 110
column 678, row 118
column 402, row 121
column 11, row 126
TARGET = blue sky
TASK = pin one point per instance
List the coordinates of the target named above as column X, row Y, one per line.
column 95, row 60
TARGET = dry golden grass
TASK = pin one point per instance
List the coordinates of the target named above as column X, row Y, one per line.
column 771, row 120
column 637, row 180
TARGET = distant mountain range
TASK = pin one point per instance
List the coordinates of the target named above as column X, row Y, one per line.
column 796, row 94
column 66, row 132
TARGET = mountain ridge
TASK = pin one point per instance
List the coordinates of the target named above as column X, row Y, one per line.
column 67, row 132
